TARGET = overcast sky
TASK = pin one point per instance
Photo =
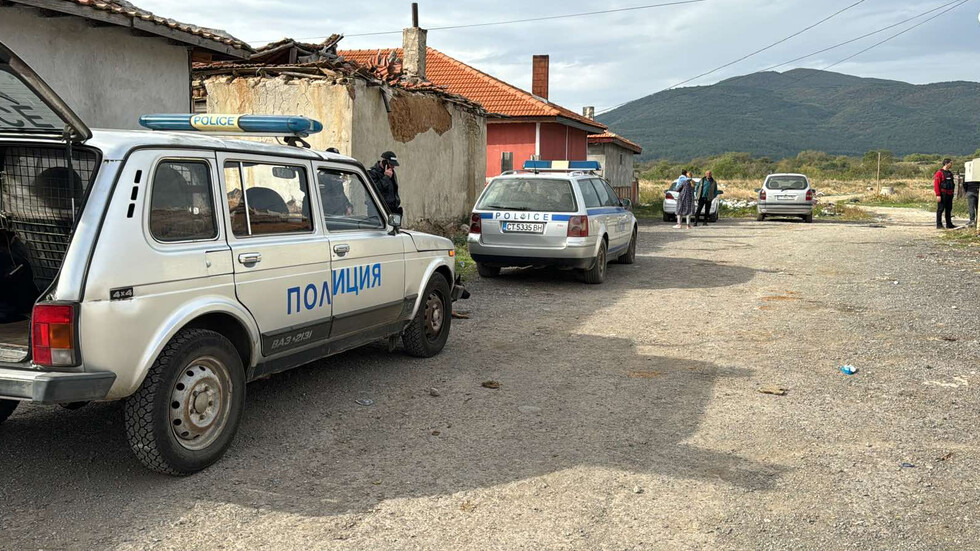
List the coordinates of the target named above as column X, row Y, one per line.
column 605, row 60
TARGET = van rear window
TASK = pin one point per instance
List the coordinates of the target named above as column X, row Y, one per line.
column 538, row 195
column 786, row 182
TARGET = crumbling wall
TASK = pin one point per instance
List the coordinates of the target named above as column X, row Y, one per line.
column 441, row 147
column 323, row 100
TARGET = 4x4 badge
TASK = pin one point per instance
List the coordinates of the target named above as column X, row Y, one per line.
column 123, row 293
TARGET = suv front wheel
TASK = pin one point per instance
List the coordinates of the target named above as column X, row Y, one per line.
column 186, row 413
column 428, row 332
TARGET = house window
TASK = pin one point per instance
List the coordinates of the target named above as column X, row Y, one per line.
column 506, row 161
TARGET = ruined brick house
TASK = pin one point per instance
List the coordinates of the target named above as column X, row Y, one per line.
column 440, row 138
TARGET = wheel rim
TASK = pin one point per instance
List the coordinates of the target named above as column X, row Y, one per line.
column 601, row 259
column 200, row 403
column 435, row 315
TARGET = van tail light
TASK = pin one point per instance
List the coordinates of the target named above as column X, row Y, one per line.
column 476, row 223
column 53, row 335
column 578, row 226
column 670, row 195
column 809, row 195
column 762, row 195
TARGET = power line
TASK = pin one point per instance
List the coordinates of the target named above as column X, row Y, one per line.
column 510, row 22
column 776, row 43
column 957, row 3
column 743, row 58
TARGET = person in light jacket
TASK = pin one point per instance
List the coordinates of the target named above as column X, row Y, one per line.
column 685, row 199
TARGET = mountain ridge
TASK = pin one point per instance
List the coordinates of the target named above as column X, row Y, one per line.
column 780, row 114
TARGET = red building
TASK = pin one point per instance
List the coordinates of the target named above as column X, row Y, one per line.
column 520, row 124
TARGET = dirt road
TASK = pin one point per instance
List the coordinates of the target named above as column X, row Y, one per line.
column 628, row 417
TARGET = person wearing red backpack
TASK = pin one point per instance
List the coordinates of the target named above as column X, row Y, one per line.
column 945, row 188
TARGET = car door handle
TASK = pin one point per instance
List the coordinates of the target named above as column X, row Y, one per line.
column 341, row 250
column 250, row 258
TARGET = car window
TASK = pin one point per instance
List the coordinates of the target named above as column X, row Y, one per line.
column 612, row 193
column 347, row 203
column 532, row 194
column 589, row 194
column 267, row 198
column 181, row 204
column 604, row 197
column 786, row 182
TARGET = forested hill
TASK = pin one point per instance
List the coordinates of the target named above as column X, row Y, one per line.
column 781, row 114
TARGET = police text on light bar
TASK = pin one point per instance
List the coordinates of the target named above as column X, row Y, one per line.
column 217, row 123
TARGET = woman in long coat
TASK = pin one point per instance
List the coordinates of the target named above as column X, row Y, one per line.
column 685, row 200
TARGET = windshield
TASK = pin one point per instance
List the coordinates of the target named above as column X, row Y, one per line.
column 786, row 182
column 528, row 194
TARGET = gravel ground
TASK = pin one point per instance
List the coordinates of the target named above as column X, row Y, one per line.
column 628, row 416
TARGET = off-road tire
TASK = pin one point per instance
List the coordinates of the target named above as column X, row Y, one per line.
column 487, row 271
column 6, row 408
column 808, row 218
column 760, row 217
column 147, row 412
column 629, row 256
column 420, row 338
column 597, row 273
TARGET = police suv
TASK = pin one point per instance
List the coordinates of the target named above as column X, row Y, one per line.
column 552, row 213
column 168, row 269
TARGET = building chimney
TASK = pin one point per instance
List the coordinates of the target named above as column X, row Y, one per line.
column 413, row 47
column 589, row 112
column 539, row 76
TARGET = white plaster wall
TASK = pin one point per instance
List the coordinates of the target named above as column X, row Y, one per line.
column 619, row 173
column 440, row 175
column 106, row 75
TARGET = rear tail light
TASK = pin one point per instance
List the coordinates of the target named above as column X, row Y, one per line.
column 53, row 335
column 809, row 195
column 669, row 195
column 476, row 223
column 762, row 195
column 578, row 226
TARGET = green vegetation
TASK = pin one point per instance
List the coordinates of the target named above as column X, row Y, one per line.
column 780, row 114
column 818, row 165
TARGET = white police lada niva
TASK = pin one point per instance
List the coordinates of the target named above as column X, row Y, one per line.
column 168, row 269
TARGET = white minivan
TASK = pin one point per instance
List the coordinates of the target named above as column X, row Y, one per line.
column 786, row 195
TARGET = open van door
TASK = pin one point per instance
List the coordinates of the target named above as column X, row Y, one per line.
column 29, row 107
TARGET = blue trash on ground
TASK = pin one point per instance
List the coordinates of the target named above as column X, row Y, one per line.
column 848, row 369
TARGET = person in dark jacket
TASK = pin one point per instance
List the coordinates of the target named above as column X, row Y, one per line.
column 945, row 188
column 385, row 181
column 706, row 191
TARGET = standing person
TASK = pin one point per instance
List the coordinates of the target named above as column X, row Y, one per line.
column 685, row 199
column 706, row 191
column 972, row 198
column 945, row 187
column 386, row 182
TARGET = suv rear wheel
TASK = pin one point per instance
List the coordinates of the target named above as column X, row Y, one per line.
column 487, row 271
column 597, row 273
column 6, row 408
column 186, row 413
column 427, row 334
column 808, row 218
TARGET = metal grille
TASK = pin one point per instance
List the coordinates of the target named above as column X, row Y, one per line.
column 39, row 196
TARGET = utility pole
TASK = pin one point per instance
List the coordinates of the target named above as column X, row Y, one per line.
column 878, row 176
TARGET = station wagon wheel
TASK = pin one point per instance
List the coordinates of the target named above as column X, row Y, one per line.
column 7, row 407
column 186, row 412
column 597, row 273
column 428, row 331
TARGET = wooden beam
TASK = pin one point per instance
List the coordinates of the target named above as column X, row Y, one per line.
column 77, row 10
column 52, row 13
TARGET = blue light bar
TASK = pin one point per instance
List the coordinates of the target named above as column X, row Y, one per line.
column 255, row 124
column 562, row 165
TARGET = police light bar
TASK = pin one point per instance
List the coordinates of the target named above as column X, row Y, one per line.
column 562, row 165
column 263, row 125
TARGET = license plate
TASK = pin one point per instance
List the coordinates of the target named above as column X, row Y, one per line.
column 786, row 197
column 522, row 227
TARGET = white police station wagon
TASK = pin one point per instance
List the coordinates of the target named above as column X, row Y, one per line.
column 167, row 269
column 552, row 213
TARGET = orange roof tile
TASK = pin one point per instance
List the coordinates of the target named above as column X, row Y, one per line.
column 607, row 137
column 496, row 96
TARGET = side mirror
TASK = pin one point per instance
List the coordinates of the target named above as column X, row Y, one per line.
column 626, row 203
column 395, row 220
